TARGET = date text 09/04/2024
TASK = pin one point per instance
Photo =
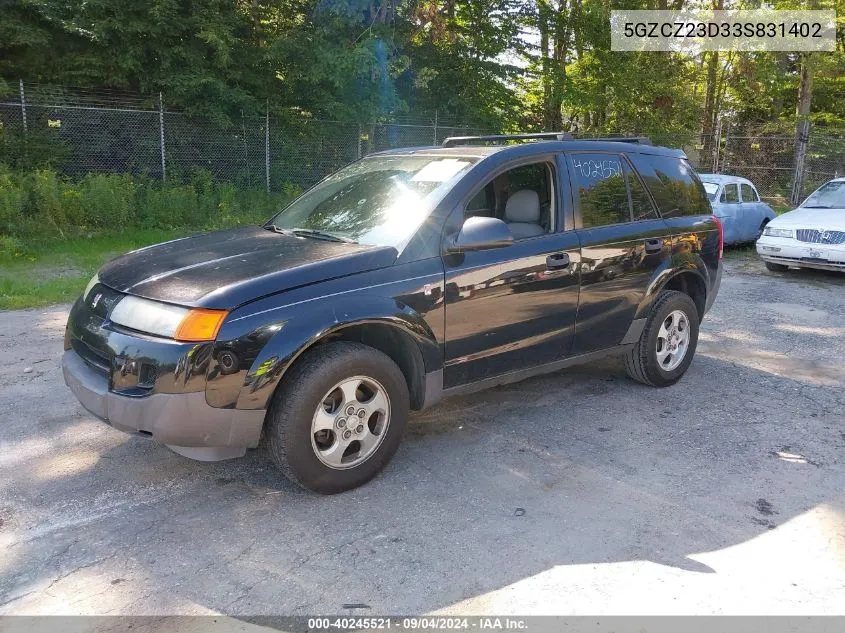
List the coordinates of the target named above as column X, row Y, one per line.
column 418, row 623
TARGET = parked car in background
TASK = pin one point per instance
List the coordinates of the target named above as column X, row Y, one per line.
column 811, row 236
column 737, row 204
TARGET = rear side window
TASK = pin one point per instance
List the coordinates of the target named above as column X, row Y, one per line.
column 600, row 182
column 641, row 204
column 730, row 193
column 673, row 184
column 748, row 193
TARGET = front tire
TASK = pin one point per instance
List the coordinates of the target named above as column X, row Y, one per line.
column 338, row 417
column 667, row 344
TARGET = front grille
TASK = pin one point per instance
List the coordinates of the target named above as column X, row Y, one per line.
column 97, row 361
column 815, row 236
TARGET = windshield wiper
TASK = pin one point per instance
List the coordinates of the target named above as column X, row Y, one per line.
column 278, row 229
column 313, row 233
column 816, row 206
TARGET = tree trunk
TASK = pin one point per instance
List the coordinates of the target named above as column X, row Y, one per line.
column 559, row 56
column 709, row 119
column 710, row 98
column 546, row 79
column 802, row 126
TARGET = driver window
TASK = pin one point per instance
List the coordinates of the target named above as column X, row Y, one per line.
column 730, row 193
column 522, row 197
column 748, row 193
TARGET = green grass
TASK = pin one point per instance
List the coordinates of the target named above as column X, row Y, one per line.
column 44, row 272
column 56, row 231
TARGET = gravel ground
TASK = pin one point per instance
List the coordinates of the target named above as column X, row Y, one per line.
column 576, row 493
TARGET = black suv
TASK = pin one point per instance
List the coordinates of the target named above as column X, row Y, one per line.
column 406, row 277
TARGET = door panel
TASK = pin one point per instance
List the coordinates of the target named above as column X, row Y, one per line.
column 623, row 243
column 617, row 265
column 510, row 308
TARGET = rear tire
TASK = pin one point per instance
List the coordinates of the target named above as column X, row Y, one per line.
column 667, row 344
column 776, row 268
column 312, row 439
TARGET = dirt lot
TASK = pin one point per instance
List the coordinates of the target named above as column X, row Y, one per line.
column 575, row 493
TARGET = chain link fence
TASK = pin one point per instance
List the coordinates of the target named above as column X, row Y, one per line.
column 67, row 130
column 768, row 159
column 79, row 131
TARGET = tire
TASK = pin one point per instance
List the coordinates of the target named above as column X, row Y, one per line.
column 307, row 390
column 642, row 362
column 776, row 268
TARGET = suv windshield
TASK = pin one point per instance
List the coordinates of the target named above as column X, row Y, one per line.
column 829, row 196
column 378, row 201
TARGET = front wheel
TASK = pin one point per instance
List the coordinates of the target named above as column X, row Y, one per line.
column 338, row 417
column 668, row 341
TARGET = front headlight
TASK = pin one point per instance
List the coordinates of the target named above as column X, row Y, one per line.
column 163, row 319
column 94, row 281
column 775, row 232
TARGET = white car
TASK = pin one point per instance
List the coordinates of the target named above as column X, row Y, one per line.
column 811, row 236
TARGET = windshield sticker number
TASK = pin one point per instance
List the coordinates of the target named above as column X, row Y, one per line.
column 597, row 169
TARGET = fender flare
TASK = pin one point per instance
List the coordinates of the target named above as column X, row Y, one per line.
column 679, row 264
column 303, row 330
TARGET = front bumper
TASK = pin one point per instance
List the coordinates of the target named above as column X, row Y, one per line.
column 790, row 252
column 183, row 421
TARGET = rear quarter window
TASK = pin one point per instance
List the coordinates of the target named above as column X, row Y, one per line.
column 673, row 184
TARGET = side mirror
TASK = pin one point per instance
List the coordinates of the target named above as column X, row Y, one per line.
column 479, row 233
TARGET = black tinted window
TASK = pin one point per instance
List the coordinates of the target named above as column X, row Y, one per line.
column 748, row 193
column 730, row 193
column 600, row 181
column 674, row 185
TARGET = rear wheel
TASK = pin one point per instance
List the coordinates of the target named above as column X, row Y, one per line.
column 668, row 341
column 338, row 418
column 776, row 268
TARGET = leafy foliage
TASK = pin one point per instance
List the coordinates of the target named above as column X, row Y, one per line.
column 42, row 204
column 497, row 64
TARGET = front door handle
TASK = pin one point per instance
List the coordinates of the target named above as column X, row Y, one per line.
column 557, row 260
column 653, row 246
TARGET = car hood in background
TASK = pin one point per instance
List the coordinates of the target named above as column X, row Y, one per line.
column 828, row 219
column 228, row 268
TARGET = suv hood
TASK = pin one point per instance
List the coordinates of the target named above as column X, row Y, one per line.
column 225, row 269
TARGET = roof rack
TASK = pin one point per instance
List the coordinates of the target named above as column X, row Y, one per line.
column 640, row 140
column 549, row 136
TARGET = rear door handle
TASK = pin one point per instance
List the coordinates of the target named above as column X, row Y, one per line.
column 653, row 246
column 557, row 260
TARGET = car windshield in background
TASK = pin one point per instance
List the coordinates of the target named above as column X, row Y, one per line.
column 829, row 196
column 711, row 188
column 378, row 201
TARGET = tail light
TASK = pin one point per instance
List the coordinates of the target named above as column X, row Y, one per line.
column 721, row 235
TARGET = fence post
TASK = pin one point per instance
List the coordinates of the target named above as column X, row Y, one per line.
column 435, row 128
column 717, row 145
column 360, row 140
column 267, row 145
column 23, row 106
column 161, row 135
column 724, row 164
column 800, row 160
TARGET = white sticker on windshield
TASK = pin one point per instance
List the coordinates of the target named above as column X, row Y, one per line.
column 440, row 170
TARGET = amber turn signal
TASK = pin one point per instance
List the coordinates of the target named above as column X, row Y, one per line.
column 200, row 325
